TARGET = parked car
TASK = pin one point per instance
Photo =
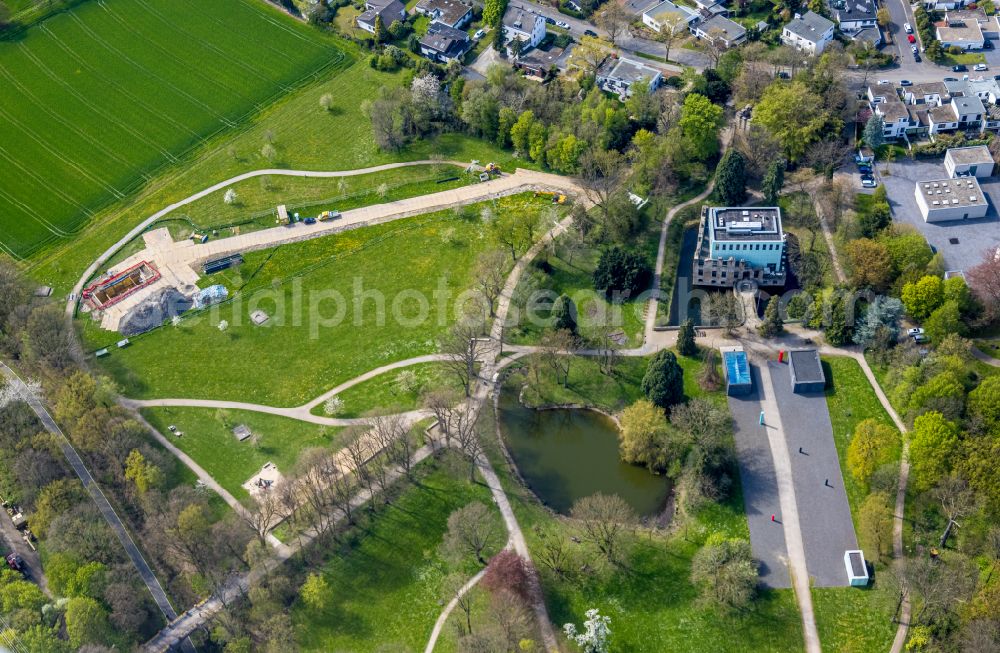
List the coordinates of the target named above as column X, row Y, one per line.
column 911, row 38
column 960, row 68
column 917, row 331
column 310, row 220
column 916, row 57
column 913, row 49
column 590, row 32
column 883, row 81
column 905, row 82
column 868, row 181
column 987, row 44
column 479, row 34
column 907, row 28
column 549, row 20
column 950, row 79
column 920, row 338
column 980, row 67
column 563, row 24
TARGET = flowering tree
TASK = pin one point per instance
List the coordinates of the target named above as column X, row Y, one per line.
column 596, row 633
column 223, row 325
column 230, row 197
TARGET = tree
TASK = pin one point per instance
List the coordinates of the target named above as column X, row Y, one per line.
column 794, row 115
column 564, row 314
column 984, row 402
column 723, row 309
column 499, row 40
column 772, row 325
column 613, row 19
column 493, row 11
column 933, row 445
column 621, row 275
column 880, row 323
column 86, row 622
column 55, row 499
column 144, row 474
column 984, row 280
column 731, row 179
column 686, row 345
column 490, row 275
column 471, row 530
column 883, row 18
column 314, row 592
column 874, row 133
column 875, row 525
column 725, row 572
column 643, row 435
column 663, row 383
column 870, row 264
column 708, row 378
column 379, row 33
column 604, row 519
column 230, row 197
column 588, row 54
column 461, row 346
column 508, row 572
column 871, row 446
column 326, row 102
column 773, row 180
column 922, row 297
column 596, row 635
column 957, row 500
column 945, row 319
column 672, row 29
column 555, row 343
column 700, row 122
column 602, row 172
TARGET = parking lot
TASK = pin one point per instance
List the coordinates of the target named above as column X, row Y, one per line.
column 962, row 243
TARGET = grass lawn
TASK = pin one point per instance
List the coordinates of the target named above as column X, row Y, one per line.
column 386, row 583
column 967, row 58
column 571, row 273
column 340, row 305
column 126, row 100
column 588, row 385
column 850, row 619
column 305, row 135
column 809, row 241
column 399, row 390
column 208, row 439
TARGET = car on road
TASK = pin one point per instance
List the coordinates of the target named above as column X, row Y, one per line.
column 590, row 32
column 913, row 49
column 916, row 57
column 883, row 81
column 949, row 79
column 868, row 181
column 987, row 44
column 479, row 34
column 980, row 67
column 960, row 68
column 905, row 82
column 563, row 24
column 907, row 28
column 310, row 220
column 549, row 20
column 911, row 38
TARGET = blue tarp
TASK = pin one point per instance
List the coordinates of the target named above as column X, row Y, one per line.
column 211, row 295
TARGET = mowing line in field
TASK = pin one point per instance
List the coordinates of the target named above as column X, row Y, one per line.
column 90, row 105
column 211, row 46
column 125, row 92
column 55, row 190
column 148, row 71
column 42, row 106
column 26, row 209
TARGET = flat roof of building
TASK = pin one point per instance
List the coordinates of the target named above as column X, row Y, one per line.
column 805, row 365
column 745, row 223
column 970, row 32
column 627, row 70
column 946, row 193
column 969, row 155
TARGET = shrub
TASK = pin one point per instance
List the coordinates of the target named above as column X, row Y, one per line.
column 621, row 275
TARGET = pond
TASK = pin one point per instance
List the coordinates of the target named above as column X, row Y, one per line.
column 567, row 454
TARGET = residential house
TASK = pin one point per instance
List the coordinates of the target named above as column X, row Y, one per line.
column 522, row 26
column 943, row 5
column 720, row 30
column 618, row 75
column 961, row 29
column 808, row 32
column 870, row 36
column 450, row 12
column 852, row 16
column 937, row 107
column 538, row 63
column 896, row 117
column 656, row 15
column 389, row 10
column 444, row 43
column 978, row 15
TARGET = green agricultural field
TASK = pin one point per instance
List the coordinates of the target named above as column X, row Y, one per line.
column 107, row 93
column 429, row 257
column 208, row 438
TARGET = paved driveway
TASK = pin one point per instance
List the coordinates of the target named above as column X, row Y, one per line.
column 824, row 513
column 760, row 488
column 962, row 242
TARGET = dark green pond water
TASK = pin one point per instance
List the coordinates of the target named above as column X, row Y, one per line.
column 564, row 455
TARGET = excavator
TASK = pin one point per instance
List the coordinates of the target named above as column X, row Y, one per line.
column 557, row 198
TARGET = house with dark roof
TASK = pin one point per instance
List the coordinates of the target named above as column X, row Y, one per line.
column 720, row 30
column 389, row 10
column 854, row 15
column 444, row 43
column 538, row 63
column 452, row 13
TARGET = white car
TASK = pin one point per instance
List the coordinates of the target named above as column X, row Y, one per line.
column 979, row 67
column 917, row 331
column 479, row 34
column 913, row 49
column 907, row 28
column 868, row 182
column 563, row 24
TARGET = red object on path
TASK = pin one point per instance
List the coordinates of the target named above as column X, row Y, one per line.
column 772, row 518
column 781, row 355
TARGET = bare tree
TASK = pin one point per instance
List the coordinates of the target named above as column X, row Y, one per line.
column 715, row 46
column 262, row 511
column 758, row 147
column 462, row 345
column 601, row 175
column 510, row 615
column 724, row 310
column 557, row 346
column 672, row 30
column 358, row 453
column 491, row 275
column 472, row 529
column 444, row 404
column 614, row 20
column 453, row 583
column 957, row 499
column 604, row 519
column 464, row 425
column 553, row 552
